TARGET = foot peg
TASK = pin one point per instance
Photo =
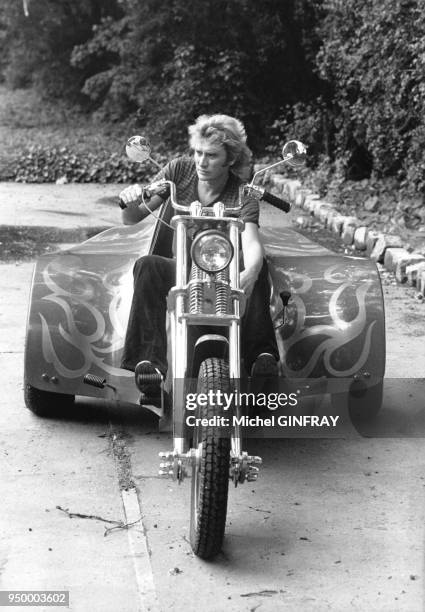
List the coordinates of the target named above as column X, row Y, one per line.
column 153, row 378
column 150, row 383
column 147, row 375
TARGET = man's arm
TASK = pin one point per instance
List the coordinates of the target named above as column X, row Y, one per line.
column 132, row 197
column 253, row 254
column 135, row 210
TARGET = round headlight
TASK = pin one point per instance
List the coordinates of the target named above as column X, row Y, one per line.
column 211, row 251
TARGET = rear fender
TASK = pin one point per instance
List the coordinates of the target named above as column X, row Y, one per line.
column 79, row 305
column 334, row 323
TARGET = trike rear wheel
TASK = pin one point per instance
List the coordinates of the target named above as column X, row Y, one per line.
column 363, row 403
column 46, row 403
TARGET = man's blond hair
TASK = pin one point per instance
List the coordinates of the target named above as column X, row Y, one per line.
column 229, row 132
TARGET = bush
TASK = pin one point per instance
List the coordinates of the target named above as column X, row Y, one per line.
column 346, row 78
column 167, row 62
column 46, row 165
column 373, row 55
column 307, row 122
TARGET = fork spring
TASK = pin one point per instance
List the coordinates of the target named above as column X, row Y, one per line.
column 196, row 292
column 222, row 290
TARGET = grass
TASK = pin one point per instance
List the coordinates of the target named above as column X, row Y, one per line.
column 26, row 119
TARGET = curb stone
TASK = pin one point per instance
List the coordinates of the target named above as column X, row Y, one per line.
column 371, row 238
column 413, row 271
column 300, row 197
column 360, row 236
column 330, row 216
column 384, row 242
column 420, row 283
column 292, row 186
column 323, row 212
column 348, row 232
column 337, row 224
column 382, row 248
column 404, row 263
column 393, row 256
column 310, row 201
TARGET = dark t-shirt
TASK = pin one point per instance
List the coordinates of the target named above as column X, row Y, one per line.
column 182, row 171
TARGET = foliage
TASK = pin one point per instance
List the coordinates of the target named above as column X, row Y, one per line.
column 165, row 61
column 37, row 49
column 40, row 164
column 373, row 54
column 172, row 61
column 308, row 122
column 26, row 119
column 347, row 78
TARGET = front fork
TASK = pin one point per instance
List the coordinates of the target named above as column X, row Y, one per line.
column 177, row 463
column 242, row 466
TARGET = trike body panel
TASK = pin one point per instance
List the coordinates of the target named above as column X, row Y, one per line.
column 80, row 301
column 334, row 323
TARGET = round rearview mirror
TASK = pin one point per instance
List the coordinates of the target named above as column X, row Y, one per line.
column 294, row 152
column 138, row 149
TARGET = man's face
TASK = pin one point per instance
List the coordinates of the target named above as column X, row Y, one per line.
column 210, row 159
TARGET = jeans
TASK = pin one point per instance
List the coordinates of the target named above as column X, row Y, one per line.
column 146, row 336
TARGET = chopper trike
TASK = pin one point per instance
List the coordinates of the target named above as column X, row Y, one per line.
column 329, row 327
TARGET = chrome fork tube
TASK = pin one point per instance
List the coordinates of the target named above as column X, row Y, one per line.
column 234, row 266
column 181, row 255
column 179, row 340
column 234, row 338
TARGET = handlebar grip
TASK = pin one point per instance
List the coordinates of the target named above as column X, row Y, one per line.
column 276, row 202
column 164, row 193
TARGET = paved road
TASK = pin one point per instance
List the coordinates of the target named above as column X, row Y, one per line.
column 332, row 524
column 64, row 206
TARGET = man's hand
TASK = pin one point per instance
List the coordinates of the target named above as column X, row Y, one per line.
column 131, row 195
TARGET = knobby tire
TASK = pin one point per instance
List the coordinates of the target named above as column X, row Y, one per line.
column 210, row 477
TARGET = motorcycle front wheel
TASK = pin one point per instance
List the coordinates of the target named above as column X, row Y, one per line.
column 210, row 472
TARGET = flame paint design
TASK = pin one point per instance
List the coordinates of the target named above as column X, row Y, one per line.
column 107, row 338
column 93, row 308
column 339, row 333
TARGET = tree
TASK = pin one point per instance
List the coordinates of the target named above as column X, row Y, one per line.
column 373, row 54
column 37, row 49
column 169, row 61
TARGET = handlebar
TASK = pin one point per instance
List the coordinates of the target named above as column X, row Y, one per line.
column 160, row 188
column 276, row 202
column 166, row 189
column 261, row 194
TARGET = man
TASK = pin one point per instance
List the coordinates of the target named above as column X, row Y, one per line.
column 220, row 164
